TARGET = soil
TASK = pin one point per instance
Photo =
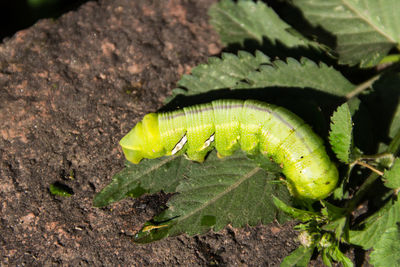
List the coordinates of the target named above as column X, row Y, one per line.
column 69, row 90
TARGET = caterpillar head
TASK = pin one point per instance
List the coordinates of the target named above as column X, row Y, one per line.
column 143, row 141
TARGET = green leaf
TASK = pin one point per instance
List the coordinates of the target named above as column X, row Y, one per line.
column 62, row 190
column 298, row 214
column 393, row 58
column 387, row 250
column 299, row 258
column 375, row 225
column 338, row 226
column 338, row 222
column 338, row 256
column 326, row 258
column 303, row 74
column 331, row 211
column 246, row 71
column 236, row 22
column 150, row 176
column 392, row 176
column 340, row 135
column 386, row 160
column 221, row 73
column 233, row 190
column 365, row 30
column 354, row 105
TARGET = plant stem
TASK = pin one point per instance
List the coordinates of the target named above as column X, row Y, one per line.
column 366, row 165
column 354, row 202
column 377, row 156
column 368, row 83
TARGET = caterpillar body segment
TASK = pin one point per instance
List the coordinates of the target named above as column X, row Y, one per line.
column 227, row 118
column 228, row 125
column 199, row 128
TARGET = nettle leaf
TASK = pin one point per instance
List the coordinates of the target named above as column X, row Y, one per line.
column 236, row 22
column 338, row 222
column 218, row 73
column 387, row 250
column 150, row 176
column 299, row 258
column 388, row 216
column 233, row 190
column 338, row 256
column 338, row 226
column 354, row 105
column 392, row 176
column 246, row 71
column 302, row 215
column 303, row 74
column 366, row 30
column 340, row 135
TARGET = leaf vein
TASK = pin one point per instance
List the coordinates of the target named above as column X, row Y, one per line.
column 217, row 197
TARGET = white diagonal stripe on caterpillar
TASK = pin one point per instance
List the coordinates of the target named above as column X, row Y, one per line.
column 208, row 142
column 179, row 145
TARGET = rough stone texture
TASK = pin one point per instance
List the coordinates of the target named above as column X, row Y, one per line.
column 69, row 90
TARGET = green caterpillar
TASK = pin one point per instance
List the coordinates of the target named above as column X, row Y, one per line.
column 227, row 125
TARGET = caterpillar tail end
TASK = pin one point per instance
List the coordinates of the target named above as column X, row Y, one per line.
column 143, row 141
column 307, row 185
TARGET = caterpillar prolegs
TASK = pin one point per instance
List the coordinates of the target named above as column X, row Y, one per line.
column 227, row 125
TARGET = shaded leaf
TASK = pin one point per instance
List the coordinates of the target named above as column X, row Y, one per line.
column 386, row 103
column 150, row 176
column 236, row 22
column 366, row 30
column 375, row 225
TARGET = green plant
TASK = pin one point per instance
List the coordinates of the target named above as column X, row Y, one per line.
column 312, row 79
